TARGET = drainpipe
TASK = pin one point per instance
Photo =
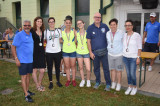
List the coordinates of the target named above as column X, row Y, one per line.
column 103, row 10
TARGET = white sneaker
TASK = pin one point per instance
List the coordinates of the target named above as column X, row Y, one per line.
column 150, row 68
column 128, row 90
column 88, row 83
column 82, row 83
column 134, row 91
column 118, row 88
column 113, row 85
column 64, row 74
column 142, row 68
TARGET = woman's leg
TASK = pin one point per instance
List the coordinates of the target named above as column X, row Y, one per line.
column 88, row 67
column 34, row 76
column 67, row 67
column 80, row 64
column 49, row 59
column 57, row 60
column 41, row 74
column 73, row 67
column 113, row 75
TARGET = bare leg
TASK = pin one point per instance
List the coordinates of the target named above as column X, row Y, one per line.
column 119, row 76
column 73, row 67
column 80, row 64
column 27, row 84
column 152, row 62
column 41, row 74
column 67, row 67
column 34, row 75
column 113, row 75
column 24, row 85
column 88, row 67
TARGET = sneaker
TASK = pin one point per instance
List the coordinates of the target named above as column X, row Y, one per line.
column 82, row 83
column 113, row 85
column 88, row 83
column 30, row 93
column 134, row 91
column 107, row 88
column 59, row 84
column 150, row 68
column 50, row 86
column 128, row 90
column 142, row 68
column 74, row 83
column 68, row 83
column 64, row 74
column 28, row 98
column 118, row 87
column 96, row 86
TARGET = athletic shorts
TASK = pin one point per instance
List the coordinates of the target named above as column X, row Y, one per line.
column 151, row 47
column 25, row 68
column 115, row 63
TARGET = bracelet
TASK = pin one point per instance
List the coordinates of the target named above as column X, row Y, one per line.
column 138, row 57
column 16, row 58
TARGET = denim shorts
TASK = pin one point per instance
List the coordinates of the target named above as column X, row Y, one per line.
column 71, row 55
column 25, row 68
column 82, row 55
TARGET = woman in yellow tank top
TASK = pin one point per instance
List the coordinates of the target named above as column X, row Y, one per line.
column 69, row 50
column 82, row 53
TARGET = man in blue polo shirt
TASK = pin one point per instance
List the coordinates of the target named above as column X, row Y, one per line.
column 22, row 49
column 151, row 31
column 97, row 45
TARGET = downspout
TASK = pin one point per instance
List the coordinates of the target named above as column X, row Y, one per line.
column 103, row 10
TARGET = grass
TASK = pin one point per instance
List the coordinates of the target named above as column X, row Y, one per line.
column 9, row 77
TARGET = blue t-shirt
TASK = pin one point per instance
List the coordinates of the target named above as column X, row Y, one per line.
column 24, row 46
column 152, row 32
column 97, row 36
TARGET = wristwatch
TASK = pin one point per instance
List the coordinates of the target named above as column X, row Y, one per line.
column 138, row 57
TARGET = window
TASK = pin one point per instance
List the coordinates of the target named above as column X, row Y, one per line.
column 82, row 7
column 44, row 5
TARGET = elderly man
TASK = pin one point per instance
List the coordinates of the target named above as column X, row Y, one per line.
column 22, row 49
column 97, row 45
column 151, row 31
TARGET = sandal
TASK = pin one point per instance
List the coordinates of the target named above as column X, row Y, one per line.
column 40, row 88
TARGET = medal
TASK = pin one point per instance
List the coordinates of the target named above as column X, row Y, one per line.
column 82, row 47
column 68, row 37
column 53, row 45
column 127, row 50
column 111, row 46
column 68, row 44
column 40, row 44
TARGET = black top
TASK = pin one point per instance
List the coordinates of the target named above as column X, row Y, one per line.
column 38, row 52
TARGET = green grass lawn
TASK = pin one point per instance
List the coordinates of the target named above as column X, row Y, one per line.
column 9, row 77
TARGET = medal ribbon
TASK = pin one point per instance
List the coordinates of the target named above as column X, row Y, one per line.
column 112, row 36
column 68, row 37
column 52, row 36
column 128, row 40
column 40, row 36
column 82, row 39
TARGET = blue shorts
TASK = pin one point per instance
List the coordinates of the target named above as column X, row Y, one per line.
column 71, row 55
column 82, row 55
column 25, row 68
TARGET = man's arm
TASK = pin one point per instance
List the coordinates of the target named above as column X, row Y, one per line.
column 89, row 48
column 13, row 48
column 144, row 36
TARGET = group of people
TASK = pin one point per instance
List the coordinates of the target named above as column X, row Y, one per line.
column 114, row 48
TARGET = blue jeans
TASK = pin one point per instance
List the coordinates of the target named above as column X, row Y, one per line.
column 130, row 65
column 96, row 62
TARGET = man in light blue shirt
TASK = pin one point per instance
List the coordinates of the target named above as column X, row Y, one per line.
column 22, row 50
column 151, row 31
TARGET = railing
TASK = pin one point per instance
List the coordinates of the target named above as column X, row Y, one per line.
column 6, row 24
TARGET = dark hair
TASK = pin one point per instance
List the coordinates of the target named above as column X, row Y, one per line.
column 81, row 21
column 129, row 21
column 51, row 18
column 68, row 17
column 113, row 20
column 35, row 26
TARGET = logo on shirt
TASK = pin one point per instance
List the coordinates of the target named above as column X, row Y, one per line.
column 103, row 30
column 93, row 32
